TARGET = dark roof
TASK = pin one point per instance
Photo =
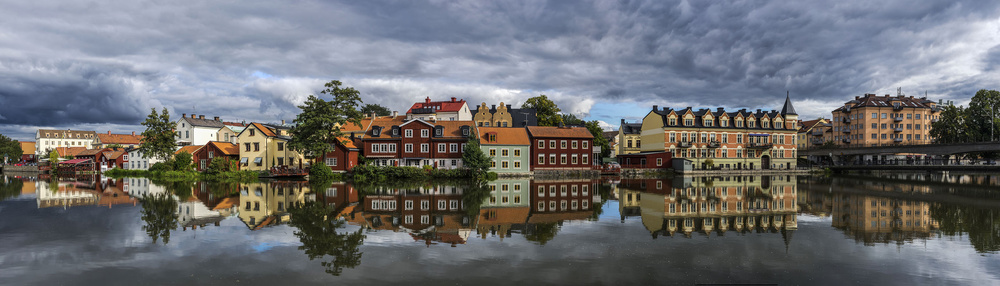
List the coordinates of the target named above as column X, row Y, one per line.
column 871, row 100
column 519, row 117
column 631, row 128
column 204, row 122
column 788, row 109
column 717, row 114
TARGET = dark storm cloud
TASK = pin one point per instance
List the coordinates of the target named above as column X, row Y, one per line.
column 258, row 60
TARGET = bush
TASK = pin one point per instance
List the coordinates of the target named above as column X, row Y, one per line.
column 221, row 165
column 182, row 161
column 161, row 167
column 320, row 171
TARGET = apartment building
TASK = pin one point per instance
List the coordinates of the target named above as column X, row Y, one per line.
column 874, row 120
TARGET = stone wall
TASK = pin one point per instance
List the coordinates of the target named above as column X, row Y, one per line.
column 558, row 174
column 19, row 169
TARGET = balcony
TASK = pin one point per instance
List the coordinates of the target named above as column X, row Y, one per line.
column 848, row 131
column 817, row 142
column 846, row 141
column 898, row 140
column 684, row 145
column 759, row 145
column 897, row 119
column 897, row 107
column 817, row 133
column 899, row 129
column 847, row 120
column 713, row 144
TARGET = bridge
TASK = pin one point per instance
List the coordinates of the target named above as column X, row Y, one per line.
column 915, row 167
column 929, row 149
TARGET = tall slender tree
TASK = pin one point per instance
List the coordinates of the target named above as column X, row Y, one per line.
column 158, row 138
column 319, row 123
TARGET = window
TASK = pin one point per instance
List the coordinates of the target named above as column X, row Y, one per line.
column 408, row 148
column 331, row 161
column 408, row 133
column 562, row 144
column 573, row 160
column 586, row 144
column 454, row 147
column 659, row 161
column 442, row 204
column 425, row 205
column 453, row 204
column 673, row 121
column 281, row 146
column 504, row 165
column 574, row 145
column 442, row 148
column 541, row 159
column 688, row 122
column 884, row 116
column 552, row 144
column 562, row 159
column 517, row 164
column 256, row 146
column 541, row 144
column 552, row 159
column 493, row 152
column 517, row 152
column 585, row 161
column 425, row 133
column 425, row 148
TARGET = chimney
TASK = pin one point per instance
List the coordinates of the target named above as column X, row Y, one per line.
column 109, row 132
column 282, row 122
column 720, row 109
column 453, row 99
column 623, row 121
column 201, row 116
column 758, row 110
column 493, row 107
column 655, row 107
column 427, row 100
column 193, row 116
column 133, row 133
column 508, row 107
column 217, row 118
column 184, row 115
column 394, row 113
column 858, row 97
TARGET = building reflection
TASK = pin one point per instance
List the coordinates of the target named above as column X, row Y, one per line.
column 712, row 205
column 266, row 203
column 430, row 213
column 506, row 209
column 83, row 190
column 871, row 219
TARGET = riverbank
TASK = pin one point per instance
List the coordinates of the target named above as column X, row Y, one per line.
column 243, row 176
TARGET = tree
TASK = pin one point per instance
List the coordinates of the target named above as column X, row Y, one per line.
column 10, row 148
column 220, row 165
column 53, row 156
column 546, row 110
column 474, row 159
column 599, row 140
column 319, row 123
column 158, row 138
column 377, row 109
column 951, row 126
column 983, row 124
column 182, row 161
column 541, row 233
column 570, row 119
column 10, row 187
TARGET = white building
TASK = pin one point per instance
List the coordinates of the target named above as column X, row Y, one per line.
column 196, row 130
column 454, row 110
column 49, row 139
column 137, row 160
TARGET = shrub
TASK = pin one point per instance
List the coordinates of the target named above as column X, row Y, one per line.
column 320, row 171
column 161, row 167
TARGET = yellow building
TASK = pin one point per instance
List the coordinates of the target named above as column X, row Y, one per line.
column 504, row 116
column 811, row 133
column 264, row 146
column 629, row 138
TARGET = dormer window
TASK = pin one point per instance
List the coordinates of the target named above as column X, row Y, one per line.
column 465, row 130
column 492, row 137
column 376, row 131
column 750, row 123
column 777, row 125
column 709, row 122
column 688, row 122
column 764, row 124
column 673, row 121
column 739, row 123
column 724, row 122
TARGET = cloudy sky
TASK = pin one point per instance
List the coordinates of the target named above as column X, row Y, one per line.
column 101, row 66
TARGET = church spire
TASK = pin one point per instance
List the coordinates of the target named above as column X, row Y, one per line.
column 788, row 109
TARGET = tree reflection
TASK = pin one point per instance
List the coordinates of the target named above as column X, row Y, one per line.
column 541, row 233
column 981, row 225
column 474, row 195
column 318, row 233
column 10, row 188
column 158, row 211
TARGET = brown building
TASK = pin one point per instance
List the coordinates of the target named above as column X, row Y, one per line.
column 562, row 148
column 874, row 120
column 202, row 157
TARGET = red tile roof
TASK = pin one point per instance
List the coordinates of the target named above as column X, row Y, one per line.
column 189, row 149
column 123, row 139
column 89, row 152
column 69, row 151
column 438, row 106
column 559, row 132
column 504, row 136
column 228, row 149
column 263, row 129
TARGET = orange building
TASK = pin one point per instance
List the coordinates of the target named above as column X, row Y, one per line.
column 884, row 120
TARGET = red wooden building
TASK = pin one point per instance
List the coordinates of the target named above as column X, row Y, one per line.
column 562, row 148
column 202, row 157
column 344, row 156
column 645, row 160
column 395, row 141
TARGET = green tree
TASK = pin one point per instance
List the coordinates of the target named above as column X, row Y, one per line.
column 981, row 116
column 220, row 165
column 570, row 119
column 182, row 161
column 10, row 148
column 541, row 233
column 379, row 110
column 599, row 140
column 158, row 214
column 158, row 138
column 546, row 110
column 53, row 157
column 474, row 159
column 10, row 187
column 318, row 232
column 951, row 126
column 319, row 123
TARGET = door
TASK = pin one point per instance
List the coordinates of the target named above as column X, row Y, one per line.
column 765, row 162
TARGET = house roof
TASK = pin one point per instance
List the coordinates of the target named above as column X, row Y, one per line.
column 453, row 129
column 234, row 124
column 124, row 139
column 228, row 149
column 346, row 141
column 189, row 149
column 69, row 134
column 717, row 116
column 27, row 147
column 871, row 100
column 113, row 153
column 429, row 106
column 236, row 129
column 788, row 109
column 74, row 161
column 263, row 129
column 505, row 136
column 504, row 215
column 809, row 124
column 204, row 122
column 631, row 128
column 89, row 152
column 69, row 151
column 559, row 132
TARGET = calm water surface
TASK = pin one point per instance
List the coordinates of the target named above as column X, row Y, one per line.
column 889, row 228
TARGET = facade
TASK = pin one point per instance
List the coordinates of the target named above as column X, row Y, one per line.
column 139, row 161
column 454, row 110
column 509, row 149
column 504, row 116
column 430, row 213
column 110, row 158
column 196, row 130
column 812, row 133
column 508, row 205
column 396, row 141
column 202, row 157
column 645, row 160
column 884, row 120
column 105, row 140
column 629, row 138
column 562, row 148
column 49, row 139
column 28, row 151
column 559, row 200
column 720, row 139
column 344, row 156
column 230, row 132
column 263, row 146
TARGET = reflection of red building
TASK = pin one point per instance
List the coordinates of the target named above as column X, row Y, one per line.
column 562, row 196
column 561, row 148
column 110, row 159
column 217, row 196
column 340, row 196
